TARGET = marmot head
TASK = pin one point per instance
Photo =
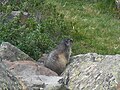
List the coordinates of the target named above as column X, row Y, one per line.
column 64, row 44
column 68, row 42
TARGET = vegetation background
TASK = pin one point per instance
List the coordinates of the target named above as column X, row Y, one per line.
column 93, row 24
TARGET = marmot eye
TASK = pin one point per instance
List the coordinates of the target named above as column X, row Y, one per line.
column 70, row 40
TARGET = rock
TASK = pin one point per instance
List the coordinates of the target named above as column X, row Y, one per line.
column 17, row 13
column 93, row 72
column 7, row 80
column 28, row 68
column 23, row 16
column 42, row 82
column 34, row 76
column 12, row 53
column 29, row 74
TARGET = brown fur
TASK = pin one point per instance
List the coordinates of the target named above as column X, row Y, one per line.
column 118, row 86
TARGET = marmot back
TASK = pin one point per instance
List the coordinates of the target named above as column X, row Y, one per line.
column 59, row 58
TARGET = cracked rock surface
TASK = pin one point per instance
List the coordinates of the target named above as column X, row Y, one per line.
column 93, row 72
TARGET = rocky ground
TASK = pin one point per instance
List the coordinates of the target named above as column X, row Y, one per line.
column 94, row 72
column 89, row 71
column 27, row 73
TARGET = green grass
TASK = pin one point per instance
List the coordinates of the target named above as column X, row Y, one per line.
column 93, row 25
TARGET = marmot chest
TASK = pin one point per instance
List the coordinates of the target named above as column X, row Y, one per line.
column 62, row 59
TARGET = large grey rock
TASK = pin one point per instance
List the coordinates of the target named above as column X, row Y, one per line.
column 12, row 53
column 34, row 76
column 30, row 75
column 17, row 13
column 28, row 68
column 7, row 80
column 93, row 72
column 23, row 16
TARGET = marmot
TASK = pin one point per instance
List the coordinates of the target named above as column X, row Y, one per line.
column 59, row 58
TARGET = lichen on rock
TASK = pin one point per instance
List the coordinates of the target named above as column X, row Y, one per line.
column 93, row 72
